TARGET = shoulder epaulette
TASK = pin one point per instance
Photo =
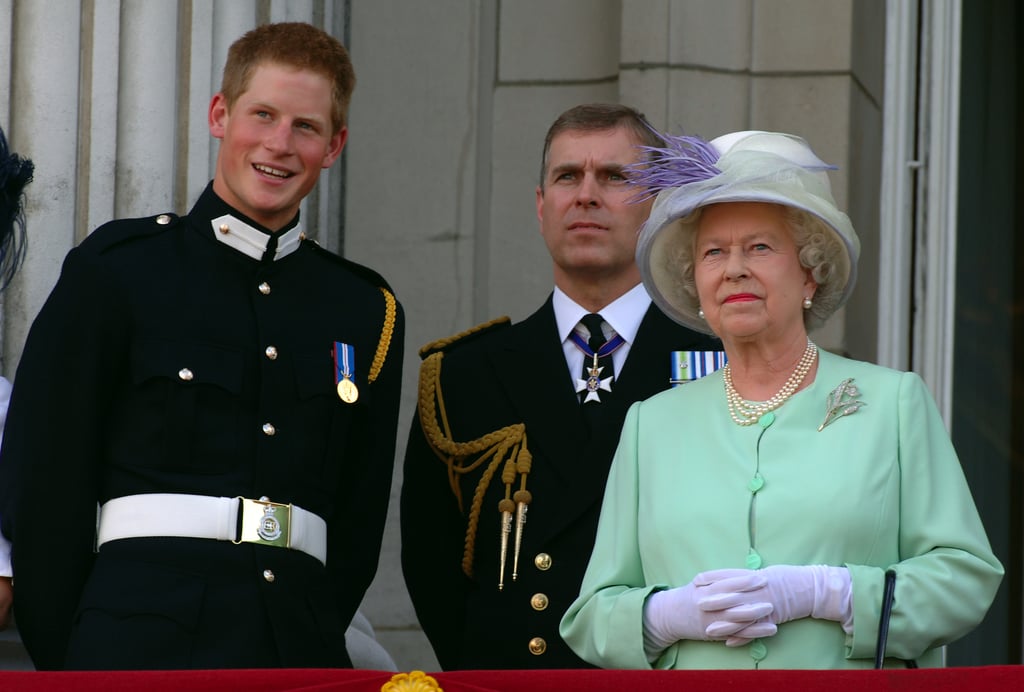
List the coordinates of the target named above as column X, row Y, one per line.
column 118, row 231
column 390, row 304
column 362, row 271
column 446, row 344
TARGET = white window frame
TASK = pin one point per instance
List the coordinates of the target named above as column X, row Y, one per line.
column 920, row 161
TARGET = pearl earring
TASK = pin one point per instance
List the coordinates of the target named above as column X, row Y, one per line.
column 700, row 313
column 808, row 303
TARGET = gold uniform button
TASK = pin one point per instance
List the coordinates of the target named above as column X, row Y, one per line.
column 269, row 575
column 539, row 601
column 538, row 646
column 185, row 375
column 271, row 353
column 542, row 562
column 269, row 429
column 225, row 229
column 264, row 288
column 163, row 219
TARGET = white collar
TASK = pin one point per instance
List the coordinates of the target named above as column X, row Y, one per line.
column 624, row 314
column 251, row 241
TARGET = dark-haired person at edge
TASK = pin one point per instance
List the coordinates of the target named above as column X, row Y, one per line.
column 15, row 173
column 526, row 416
column 234, row 390
column 752, row 515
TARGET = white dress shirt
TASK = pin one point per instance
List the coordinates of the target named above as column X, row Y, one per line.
column 623, row 316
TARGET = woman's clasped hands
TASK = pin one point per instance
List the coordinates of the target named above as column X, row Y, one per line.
column 738, row 605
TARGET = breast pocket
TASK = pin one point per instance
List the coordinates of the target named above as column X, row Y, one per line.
column 190, row 396
column 327, row 420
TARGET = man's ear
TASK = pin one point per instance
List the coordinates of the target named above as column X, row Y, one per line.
column 218, row 115
column 335, row 146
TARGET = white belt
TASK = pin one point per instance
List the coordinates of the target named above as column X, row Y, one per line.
column 203, row 516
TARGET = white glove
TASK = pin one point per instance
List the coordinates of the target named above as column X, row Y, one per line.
column 720, row 597
column 800, row 591
column 816, row 591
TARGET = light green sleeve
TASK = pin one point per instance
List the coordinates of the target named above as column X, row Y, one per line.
column 947, row 575
column 605, row 623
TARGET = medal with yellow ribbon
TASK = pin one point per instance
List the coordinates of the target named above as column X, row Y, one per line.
column 344, row 371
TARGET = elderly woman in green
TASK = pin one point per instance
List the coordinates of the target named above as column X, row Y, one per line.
column 751, row 516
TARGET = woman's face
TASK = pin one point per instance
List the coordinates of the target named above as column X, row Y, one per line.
column 747, row 270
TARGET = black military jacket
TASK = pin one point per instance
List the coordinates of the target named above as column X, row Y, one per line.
column 166, row 361
column 505, row 376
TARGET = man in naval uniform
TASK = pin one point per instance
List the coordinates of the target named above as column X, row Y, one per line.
column 517, row 424
column 227, row 394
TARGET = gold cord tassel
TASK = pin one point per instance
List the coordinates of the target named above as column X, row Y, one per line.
column 520, row 524
column 505, row 506
column 522, row 498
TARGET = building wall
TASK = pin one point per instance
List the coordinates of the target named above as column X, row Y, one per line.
column 436, row 187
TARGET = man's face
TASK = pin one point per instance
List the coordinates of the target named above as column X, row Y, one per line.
column 587, row 221
column 275, row 140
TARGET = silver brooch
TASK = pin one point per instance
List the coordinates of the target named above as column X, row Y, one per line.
column 841, row 402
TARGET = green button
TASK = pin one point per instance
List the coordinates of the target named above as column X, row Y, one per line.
column 766, row 420
column 756, row 483
column 758, row 650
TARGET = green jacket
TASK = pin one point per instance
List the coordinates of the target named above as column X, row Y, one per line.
column 878, row 488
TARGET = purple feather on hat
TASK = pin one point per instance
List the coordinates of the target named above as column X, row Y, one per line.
column 684, row 159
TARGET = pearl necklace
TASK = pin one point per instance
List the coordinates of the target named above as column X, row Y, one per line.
column 744, row 413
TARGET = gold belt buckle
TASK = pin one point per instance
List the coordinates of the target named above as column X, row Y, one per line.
column 265, row 522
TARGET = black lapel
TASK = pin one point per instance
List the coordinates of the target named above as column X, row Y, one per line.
column 531, row 369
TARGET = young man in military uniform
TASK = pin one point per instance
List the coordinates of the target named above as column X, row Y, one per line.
column 228, row 394
column 517, row 424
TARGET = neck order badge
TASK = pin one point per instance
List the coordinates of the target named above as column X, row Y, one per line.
column 599, row 352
